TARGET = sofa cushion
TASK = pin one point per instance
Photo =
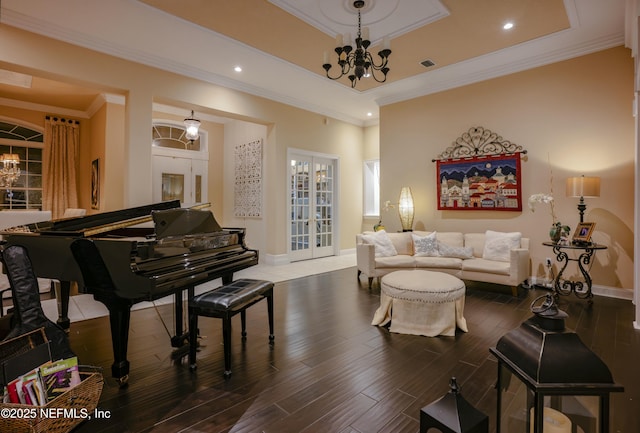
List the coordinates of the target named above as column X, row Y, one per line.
column 438, row 263
column 498, row 245
column 476, row 242
column 487, row 266
column 399, row 261
column 382, row 243
column 453, row 239
column 425, row 246
column 402, row 242
column 447, row 250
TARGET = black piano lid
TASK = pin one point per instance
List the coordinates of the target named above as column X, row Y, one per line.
column 181, row 222
column 77, row 226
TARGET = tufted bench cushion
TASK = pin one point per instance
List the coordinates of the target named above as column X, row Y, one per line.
column 232, row 295
column 422, row 286
column 224, row 302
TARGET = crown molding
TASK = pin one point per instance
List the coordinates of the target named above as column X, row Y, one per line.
column 44, row 108
column 53, row 31
column 490, row 66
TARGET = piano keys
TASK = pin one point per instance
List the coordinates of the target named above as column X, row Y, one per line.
column 181, row 249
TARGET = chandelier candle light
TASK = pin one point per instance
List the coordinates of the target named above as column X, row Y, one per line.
column 9, row 171
column 359, row 63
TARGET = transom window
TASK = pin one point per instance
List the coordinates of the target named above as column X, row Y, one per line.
column 173, row 137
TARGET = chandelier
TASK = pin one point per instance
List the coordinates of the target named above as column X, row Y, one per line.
column 359, row 63
column 9, row 171
column 191, row 127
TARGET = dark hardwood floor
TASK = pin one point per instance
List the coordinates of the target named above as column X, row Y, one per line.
column 330, row 370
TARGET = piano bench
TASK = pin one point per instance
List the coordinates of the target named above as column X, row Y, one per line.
column 225, row 302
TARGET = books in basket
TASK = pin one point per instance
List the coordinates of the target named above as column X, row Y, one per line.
column 44, row 383
column 60, row 376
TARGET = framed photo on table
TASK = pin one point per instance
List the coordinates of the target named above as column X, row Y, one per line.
column 583, row 232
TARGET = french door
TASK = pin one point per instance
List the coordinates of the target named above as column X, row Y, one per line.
column 181, row 179
column 312, row 186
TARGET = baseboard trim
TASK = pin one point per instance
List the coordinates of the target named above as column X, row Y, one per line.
column 613, row 292
column 276, row 259
column 283, row 259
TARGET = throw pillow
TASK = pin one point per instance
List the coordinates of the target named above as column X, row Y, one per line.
column 382, row 243
column 455, row 252
column 498, row 245
column 425, row 246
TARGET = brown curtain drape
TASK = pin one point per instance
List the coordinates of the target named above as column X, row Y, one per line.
column 60, row 165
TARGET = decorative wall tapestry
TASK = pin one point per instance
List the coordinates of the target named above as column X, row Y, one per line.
column 248, row 184
column 481, row 171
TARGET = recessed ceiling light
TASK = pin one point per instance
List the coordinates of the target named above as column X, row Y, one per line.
column 508, row 26
column 369, row 114
column 238, row 69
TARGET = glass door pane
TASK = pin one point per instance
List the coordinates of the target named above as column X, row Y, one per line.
column 300, row 205
column 324, row 204
column 172, row 187
column 312, row 184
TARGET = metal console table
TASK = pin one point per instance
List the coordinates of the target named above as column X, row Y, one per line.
column 582, row 289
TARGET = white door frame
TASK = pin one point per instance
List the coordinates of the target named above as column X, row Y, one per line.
column 196, row 161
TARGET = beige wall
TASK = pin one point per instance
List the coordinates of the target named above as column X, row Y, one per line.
column 106, row 144
column 370, row 151
column 577, row 114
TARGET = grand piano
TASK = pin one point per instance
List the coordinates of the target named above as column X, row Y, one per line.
column 133, row 255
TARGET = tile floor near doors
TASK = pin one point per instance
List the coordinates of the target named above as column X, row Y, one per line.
column 83, row 307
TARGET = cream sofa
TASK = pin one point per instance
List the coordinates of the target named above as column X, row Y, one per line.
column 491, row 257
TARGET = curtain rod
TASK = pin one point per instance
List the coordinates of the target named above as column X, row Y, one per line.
column 62, row 119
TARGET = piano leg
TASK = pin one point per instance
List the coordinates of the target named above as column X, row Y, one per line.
column 119, row 319
column 227, row 279
column 181, row 338
column 62, row 290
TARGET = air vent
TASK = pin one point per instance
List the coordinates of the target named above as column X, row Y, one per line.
column 427, row 63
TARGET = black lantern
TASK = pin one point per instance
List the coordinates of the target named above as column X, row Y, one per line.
column 453, row 414
column 548, row 380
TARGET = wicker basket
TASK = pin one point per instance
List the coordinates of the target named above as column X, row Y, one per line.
column 61, row 414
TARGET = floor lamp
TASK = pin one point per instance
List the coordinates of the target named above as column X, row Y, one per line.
column 405, row 209
column 583, row 186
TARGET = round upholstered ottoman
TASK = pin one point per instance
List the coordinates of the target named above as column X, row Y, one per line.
column 421, row 303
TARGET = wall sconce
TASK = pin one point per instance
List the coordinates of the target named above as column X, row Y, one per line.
column 582, row 187
column 191, row 125
column 9, row 171
column 405, row 209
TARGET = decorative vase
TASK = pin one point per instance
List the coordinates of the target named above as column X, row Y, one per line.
column 557, row 231
column 378, row 227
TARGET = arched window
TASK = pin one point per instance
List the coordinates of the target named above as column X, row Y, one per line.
column 171, row 136
column 26, row 142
